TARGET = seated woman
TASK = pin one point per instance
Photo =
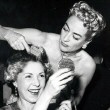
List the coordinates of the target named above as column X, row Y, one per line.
column 30, row 76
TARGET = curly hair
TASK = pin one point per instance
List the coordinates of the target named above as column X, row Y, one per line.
column 18, row 61
column 92, row 19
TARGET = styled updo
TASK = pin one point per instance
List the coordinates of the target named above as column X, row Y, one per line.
column 92, row 19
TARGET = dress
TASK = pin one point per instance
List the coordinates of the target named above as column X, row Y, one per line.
column 12, row 106
column 97, row 94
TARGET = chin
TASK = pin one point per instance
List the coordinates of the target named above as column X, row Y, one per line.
column 32, row 100
column 63, row 49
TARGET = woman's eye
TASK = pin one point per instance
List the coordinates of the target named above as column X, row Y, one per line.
column 29, row 76
column 64, row 28
column 76, row 37
column 42, row 75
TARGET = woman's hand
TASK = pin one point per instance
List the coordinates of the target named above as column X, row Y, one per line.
column 58, row 81
column 65, row 105
column 16, row 41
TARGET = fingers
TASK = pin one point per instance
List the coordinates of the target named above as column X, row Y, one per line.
column 62, row 77
column 65, row 75
column 60, row 72
column 17, row 45
column 25, row 45
column 16, row 41
column 65, row 81
column 20, row 44
column 62, row 87
column 65, row 105
column 67, row 102
column 60, row 82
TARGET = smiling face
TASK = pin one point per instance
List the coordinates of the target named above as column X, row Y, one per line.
column 73, row 35
column 31, row 82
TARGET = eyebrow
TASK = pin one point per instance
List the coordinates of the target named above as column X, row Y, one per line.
column 77, row 34
column 42, row 72
column 67, row 26
column 32, row 74
column 73, row 32
column 28, row 73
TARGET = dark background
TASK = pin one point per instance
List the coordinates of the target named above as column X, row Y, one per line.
column 50, row 16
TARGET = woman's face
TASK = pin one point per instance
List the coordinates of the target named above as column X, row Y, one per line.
column 31, row 82
column 73, row 35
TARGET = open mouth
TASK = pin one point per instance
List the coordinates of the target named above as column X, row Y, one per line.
column 34, row 91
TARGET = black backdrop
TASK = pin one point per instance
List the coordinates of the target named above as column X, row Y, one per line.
column 50, row 16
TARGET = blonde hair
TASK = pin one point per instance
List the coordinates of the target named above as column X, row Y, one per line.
column 92, row 19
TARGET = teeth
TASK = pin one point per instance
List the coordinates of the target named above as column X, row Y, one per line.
column 34, row 91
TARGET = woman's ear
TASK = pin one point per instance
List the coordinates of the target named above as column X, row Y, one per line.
column 15, row 84
column 85, row 44
column 93, row 34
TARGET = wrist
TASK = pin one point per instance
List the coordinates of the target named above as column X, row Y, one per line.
column 47, row 94
column 44, row 99
column 3, row 32
column 7, row 34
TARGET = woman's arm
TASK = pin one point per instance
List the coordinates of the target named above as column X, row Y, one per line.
column 88, row 72
column 20, row 38
column 55, row 84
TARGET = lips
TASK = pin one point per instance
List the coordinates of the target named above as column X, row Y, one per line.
column 65, row 45
column 34, row 91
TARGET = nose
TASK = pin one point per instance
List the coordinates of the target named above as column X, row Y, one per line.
column 67, row 37
column 36, row 82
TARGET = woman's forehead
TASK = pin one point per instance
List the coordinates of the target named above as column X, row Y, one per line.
column 76, row 25
column 33, row 67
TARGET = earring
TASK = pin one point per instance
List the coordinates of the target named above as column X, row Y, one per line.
column 84, row 46
column 16, row 92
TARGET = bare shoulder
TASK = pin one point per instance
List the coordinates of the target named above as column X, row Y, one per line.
column 53, row 36
column 89, row 62
column 52, row 40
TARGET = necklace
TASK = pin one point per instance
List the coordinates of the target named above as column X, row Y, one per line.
column 15, row 106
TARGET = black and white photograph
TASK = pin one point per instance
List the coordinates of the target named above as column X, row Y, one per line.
column 54, row 55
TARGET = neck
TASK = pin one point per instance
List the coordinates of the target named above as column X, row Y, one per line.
column 69, row 54
column 24, row 105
